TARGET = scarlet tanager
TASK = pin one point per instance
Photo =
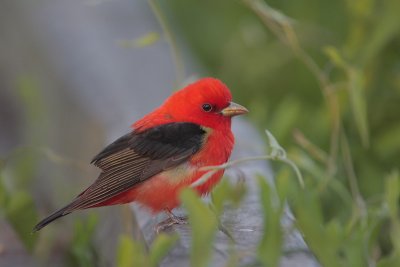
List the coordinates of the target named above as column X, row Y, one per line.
column 164, row 152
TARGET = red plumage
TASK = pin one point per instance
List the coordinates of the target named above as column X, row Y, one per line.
column 164, row 152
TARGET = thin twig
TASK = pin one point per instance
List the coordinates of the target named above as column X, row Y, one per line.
column 48, row 153
column 235, row 162
column 351, row 174
column 311, row 148
column 211, row 170
column 175, row 52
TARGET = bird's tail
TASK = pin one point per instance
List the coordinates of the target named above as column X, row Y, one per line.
column 58, row 214
column 61, row 212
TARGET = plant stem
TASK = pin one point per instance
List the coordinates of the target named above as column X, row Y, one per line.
column 281, row 26
column 170, row 38
column 210, row 170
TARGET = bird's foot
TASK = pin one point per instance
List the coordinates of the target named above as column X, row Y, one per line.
column 172, row 220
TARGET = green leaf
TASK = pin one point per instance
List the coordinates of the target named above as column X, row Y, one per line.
column 219, row 196
column 335, row 232
column 387, row 143
column 160, row 247
column 334, row 55
column 283, row 184
column 392, row 197
column 21, row 213
column 310, row 222
column 392, row 193
column 82, row 250
column 226, row 192
column 385, row 28
column 15, row 201
column 270, row 246
column 391, row 261
column 355, row 246
column 143, row 41
column 204, row 226
column 284, row 117
column 274, row 148
column 318, row 173
column 358, row 104
column 131, row 253
column 276, row 152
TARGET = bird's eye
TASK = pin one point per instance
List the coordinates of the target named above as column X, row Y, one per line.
column 206, row 107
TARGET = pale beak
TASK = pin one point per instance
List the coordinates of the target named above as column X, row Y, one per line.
column 233, row 110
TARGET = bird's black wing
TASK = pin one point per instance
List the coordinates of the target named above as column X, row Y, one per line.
column 133, row 158
column 136, row 157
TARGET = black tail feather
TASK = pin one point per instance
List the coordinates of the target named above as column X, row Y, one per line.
column 58, row 214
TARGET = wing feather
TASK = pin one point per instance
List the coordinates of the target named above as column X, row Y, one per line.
column 135, row 157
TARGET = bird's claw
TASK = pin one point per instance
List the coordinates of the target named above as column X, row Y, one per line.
column 172, row 220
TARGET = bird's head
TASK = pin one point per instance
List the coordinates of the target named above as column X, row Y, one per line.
column 207, row 102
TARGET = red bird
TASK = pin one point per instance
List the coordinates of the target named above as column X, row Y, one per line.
column 164, row 152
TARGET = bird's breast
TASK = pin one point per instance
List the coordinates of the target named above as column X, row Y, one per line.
column 216, row 148
column 162, row 191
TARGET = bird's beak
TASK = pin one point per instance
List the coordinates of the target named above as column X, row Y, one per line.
column 233, row 110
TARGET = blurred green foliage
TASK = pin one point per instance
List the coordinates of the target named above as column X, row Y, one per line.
column 17, row 168
column 205, row 221
column 203, row 224
column 143, row 41
column 82, row 250
column 132, row 253
column 352, row 84
column 323, row 76
column 17, row 206
column 270, row 247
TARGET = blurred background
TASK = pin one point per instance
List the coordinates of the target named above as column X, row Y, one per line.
column 322, row 76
